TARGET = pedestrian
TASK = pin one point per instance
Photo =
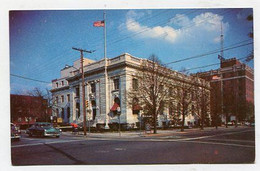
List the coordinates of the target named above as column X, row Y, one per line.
column 75, row 129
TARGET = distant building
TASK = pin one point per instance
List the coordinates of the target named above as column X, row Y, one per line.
column 104, row 94
column 234, row 81
column 26, row 110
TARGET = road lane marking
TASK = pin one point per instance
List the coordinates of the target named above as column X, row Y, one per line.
column 233, row 140
column 120, row 149
column 42, row 143
column 215, row 143
column 26, row 145
column 210, row 136
column 102, row 151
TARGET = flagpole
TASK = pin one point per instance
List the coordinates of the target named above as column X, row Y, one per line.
column 106, row 78
column 105, row 37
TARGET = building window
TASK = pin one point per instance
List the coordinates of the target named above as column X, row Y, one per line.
column 62, row 99
column 77, row 92
column 93, row 87
column 57, row 99
column 62, row 113
column 135, row 83
column 62, row 83
column 57, row 85
column 68, row 97
column 116, row 84
column 57, row 112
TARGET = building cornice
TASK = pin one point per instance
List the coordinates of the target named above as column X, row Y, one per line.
column 59, row 89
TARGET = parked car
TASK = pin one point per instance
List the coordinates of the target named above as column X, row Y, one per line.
column 15, row 132
column 247, row 123
column 43, row 129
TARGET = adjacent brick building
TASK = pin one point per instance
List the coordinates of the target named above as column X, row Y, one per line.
column 26, row 110
column 234, row 82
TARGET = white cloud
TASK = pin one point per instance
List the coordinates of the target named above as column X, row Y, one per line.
column 166, row 33
column 205, row 26
column 208, row 21
column 180, row 20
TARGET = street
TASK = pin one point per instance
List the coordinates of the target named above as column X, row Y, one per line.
column 232, row 145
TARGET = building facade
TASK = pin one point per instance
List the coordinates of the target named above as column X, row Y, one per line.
column 106, row 87
column 232, row 89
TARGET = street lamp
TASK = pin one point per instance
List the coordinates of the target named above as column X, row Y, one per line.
column 51, row 118
column 140, row 118
column 119, row 113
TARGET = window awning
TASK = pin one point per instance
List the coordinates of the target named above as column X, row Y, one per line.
column 114, row 107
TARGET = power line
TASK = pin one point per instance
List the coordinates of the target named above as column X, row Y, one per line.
column 209, row 53
column 205, row 66
column 27, row 78
column 127, row 80
column 131, row 35
column 41, row 68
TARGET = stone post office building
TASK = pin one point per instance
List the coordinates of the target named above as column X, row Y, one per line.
column 104, row 93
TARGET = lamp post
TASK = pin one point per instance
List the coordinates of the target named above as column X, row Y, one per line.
column 119, row 113
column 140, row 125
column 51, row 118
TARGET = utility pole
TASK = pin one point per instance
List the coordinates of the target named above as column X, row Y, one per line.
column 221, row 58
column 83, row 86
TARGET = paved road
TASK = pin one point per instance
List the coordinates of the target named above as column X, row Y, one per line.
column 212, row 146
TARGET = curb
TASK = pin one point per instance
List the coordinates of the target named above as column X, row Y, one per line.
column 148, row 135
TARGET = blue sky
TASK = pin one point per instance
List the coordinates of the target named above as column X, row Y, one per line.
column 41, row 41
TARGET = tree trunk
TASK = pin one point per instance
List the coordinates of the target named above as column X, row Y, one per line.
column 216, row 121
column 226, row 120
column 202, row 121
column 183, row 121
column 154, row 122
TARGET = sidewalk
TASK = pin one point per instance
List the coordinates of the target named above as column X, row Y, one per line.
column 138, row 134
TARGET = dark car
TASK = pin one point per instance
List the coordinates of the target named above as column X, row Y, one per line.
column 43, row 129
column 15, row 132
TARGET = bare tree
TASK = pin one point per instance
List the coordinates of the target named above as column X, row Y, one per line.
column 41, row 103
column 152, row 91
column 184, row 100
column 202, row 103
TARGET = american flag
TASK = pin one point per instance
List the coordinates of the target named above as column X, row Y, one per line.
column 99, row 24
